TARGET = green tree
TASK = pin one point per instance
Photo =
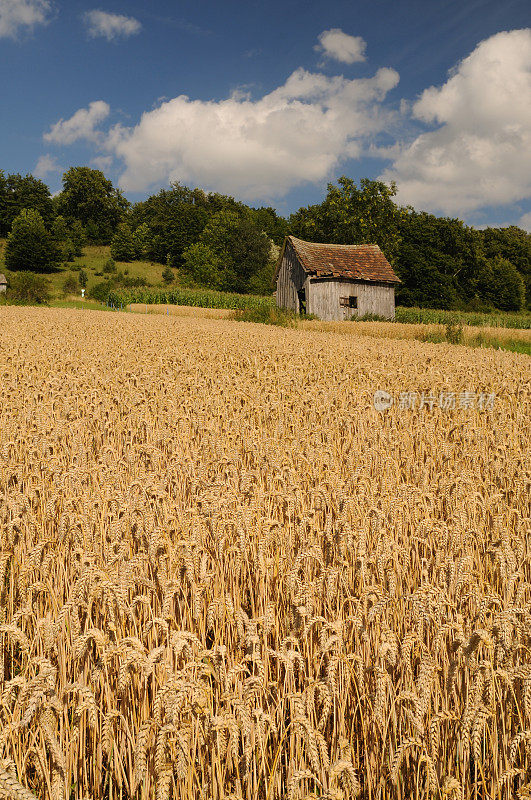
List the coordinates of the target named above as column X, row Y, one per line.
column 514, row 245
column 262, row 280
column 82, row 278
column 18, row 192
column 503, row 285
column 175, row 218
column 78, row 237
column 69, row 237
column 30, row 245
column 167, row 275
column 89, row 197
column 242, row 248
column 204, row 266
column 4, row 227
column 352, row 215
column 141, row 237
column 438, row 261
column 60, row 229
column 267, row 219
column 124, row 246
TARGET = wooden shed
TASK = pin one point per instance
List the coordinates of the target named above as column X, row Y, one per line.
column 3, row 283
column 335, row 281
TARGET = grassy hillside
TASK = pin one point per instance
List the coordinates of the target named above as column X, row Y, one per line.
column 93, row 261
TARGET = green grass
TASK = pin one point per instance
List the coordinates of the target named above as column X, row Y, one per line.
column 92, row 261
column 479, row 340
column 91, row 305
column 514, row 345
column 267, row 315
column 496, row 319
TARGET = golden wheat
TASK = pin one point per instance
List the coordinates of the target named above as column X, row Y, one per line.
column 224, row 574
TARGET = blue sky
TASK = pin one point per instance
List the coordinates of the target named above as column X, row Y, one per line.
column 268, row 101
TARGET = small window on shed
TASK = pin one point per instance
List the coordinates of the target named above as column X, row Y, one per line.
column 348, row 302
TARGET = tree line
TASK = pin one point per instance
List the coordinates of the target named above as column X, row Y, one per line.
column 224, row 244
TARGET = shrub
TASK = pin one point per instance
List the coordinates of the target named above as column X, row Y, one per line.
column 25, row 288
column 267, row 316
column 167, row 275
column 109, row 266
column 369, row 318
column 101, row 291
column 132, row 281
column 454, row 332
column 70, row 285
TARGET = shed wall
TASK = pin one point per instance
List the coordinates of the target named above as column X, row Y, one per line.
column 324, row 299
column 374, row 298
column 290, row 279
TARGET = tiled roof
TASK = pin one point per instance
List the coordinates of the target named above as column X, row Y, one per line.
column 364, row 262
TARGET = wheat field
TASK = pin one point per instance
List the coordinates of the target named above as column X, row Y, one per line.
column 225, row 575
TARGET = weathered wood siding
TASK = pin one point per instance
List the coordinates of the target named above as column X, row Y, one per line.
column 290, row 279
column 376, row 298
column 323, row 299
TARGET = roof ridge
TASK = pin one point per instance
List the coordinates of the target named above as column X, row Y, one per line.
column 324, row 244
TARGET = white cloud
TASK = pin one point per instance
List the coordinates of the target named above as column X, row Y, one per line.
column 525, row 222
column 110, row 26
column 481, row 153
column 102, row 162
column 255, row 149
column 18, row 14
column 341, row 46
column 82, row 125
column 45, row 165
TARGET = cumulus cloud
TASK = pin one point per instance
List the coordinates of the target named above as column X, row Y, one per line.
column 82, row 125
column 340, row 46
column 45, row 165
column 255, row 148
column 16, row 15
column 110, row 26
column 480, row 154
column 525, row 222
column 102, row 162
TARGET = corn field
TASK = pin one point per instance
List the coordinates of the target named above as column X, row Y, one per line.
column 225, row 575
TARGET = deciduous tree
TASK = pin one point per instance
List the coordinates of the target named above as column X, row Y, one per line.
column 30, row 245
column 89, row 197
